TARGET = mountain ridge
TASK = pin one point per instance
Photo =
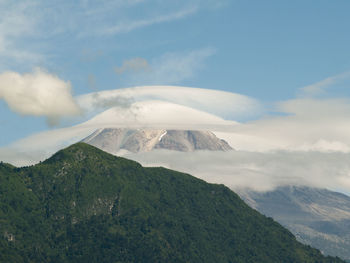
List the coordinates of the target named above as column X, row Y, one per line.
column 85, row 205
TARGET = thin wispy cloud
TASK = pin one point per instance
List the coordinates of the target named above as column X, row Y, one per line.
column 320, row 88
column 175, row 67
column 28, row 29
column 17, row 22
column 171, row 68
column 133, row 65
column 128, row 26
column 104, row 6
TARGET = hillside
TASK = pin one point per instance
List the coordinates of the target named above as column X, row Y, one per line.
column 84, row 205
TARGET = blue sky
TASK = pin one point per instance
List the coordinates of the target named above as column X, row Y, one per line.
column 267, row 50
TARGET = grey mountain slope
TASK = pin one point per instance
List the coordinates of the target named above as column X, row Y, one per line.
column 143, row 140
column 318, row 217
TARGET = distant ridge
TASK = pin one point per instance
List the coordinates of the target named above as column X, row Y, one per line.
column 143, row 140
column 318, row 217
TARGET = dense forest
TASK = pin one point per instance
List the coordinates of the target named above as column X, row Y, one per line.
column 84, row 205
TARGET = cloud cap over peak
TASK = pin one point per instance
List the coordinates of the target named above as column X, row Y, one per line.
column 225, row 104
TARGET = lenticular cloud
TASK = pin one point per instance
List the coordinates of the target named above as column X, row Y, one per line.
column 227, row 105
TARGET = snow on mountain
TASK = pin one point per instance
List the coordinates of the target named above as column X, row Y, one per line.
column 143, row 140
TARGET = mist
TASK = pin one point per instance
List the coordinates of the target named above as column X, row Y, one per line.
column 257, row 171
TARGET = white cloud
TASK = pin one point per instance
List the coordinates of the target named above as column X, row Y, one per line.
column 153, row 106
column 304, row 125
column 308, row 144
column 38, row 94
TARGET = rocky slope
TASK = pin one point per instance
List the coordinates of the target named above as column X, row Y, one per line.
column 317, row 217
column 113, row 140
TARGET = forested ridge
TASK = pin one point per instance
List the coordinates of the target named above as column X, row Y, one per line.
column 84, row 205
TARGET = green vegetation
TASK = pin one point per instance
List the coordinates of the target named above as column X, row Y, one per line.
column 84, row 205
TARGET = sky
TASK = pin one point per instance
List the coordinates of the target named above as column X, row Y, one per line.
column 271, row 75
column 267, row 50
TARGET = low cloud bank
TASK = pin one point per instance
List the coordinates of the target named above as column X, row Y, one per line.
column 235, row 169
column 19, row 158
column 257, row 171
